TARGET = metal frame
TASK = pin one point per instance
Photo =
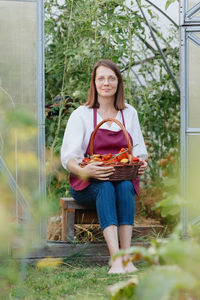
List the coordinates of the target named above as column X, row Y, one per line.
column 183, row 79
column 41, row 111
column 19, row 0
column 188, row 26
column 187, row 17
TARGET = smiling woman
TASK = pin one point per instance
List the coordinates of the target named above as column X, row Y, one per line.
column 106, row 82
column 106, row 76
column 114, row 200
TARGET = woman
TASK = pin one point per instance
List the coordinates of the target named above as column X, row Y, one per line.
column 114, row 200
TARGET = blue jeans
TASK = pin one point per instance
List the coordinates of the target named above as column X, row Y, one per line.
column 114, row 201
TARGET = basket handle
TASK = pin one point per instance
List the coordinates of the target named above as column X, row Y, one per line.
column 120, row 125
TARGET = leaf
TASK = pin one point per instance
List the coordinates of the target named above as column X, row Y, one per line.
column 169, row 2
column 184, row 253
column 150, row 12
column 160, row 282
column 48, row 262
column 170, row 205
column 123, row 290
column 138, row 254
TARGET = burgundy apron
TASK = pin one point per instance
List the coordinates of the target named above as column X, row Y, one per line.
column 106, row 141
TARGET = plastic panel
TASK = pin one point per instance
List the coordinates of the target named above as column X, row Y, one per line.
column 193, row 85
column 191, row 3
column 193, row 172
column 18, row 96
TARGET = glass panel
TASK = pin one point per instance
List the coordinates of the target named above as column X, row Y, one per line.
column 18, row 102
column 193, row 173
column 193, row 85
column 192, row 3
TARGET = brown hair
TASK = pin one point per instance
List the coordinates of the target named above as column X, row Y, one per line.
column 92, row 100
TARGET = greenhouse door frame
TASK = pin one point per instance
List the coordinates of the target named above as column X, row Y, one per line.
column 41, row 110
column 189, row 26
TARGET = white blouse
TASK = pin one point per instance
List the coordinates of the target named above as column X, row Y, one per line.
column 80, row 126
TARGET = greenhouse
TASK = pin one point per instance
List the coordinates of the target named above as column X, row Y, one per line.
column 53, row 246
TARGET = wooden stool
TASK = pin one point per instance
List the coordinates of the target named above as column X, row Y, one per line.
column 73, row 213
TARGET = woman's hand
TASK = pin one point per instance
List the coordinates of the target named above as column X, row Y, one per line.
column 94, row 170
column 143, row 167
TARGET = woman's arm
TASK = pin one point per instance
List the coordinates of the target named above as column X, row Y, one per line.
column 139, row 150
column 92, row 170
column 136, row 133
column 72, row 144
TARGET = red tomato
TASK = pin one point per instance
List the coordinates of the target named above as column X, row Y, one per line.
column 135, row 159
column 123, row 155
column 104, row 157
column 86, row 160
column 111, row 161
column 110, row 155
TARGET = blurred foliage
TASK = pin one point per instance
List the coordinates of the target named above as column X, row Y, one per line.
column 19, row 118
column 123, row 290
column 173, row 271
column 174, row 263
column 78, row 34
column 21, row 209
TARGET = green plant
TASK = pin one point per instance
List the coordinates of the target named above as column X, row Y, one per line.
column 172, row 273
column 20, row 211
column 78, row 34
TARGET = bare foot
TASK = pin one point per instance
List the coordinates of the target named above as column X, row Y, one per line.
column 129, row 268
column 117, row 267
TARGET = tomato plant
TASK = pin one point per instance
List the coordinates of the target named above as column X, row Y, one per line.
column 78, row 34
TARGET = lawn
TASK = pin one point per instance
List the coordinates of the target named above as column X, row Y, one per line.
column 77, row 280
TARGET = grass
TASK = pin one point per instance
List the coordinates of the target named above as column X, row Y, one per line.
column 77, row 281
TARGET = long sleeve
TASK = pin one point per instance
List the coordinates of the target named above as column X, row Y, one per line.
column 140, row 149
column 72, row 146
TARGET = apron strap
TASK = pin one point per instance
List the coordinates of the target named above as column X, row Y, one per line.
column 95, row 117
column 123, row 118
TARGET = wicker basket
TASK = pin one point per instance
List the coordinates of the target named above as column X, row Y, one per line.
column 123, row 171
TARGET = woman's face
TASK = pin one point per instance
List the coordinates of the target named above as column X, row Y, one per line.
column 106, row 82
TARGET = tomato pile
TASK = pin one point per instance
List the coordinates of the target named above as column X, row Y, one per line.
column 121, row 157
